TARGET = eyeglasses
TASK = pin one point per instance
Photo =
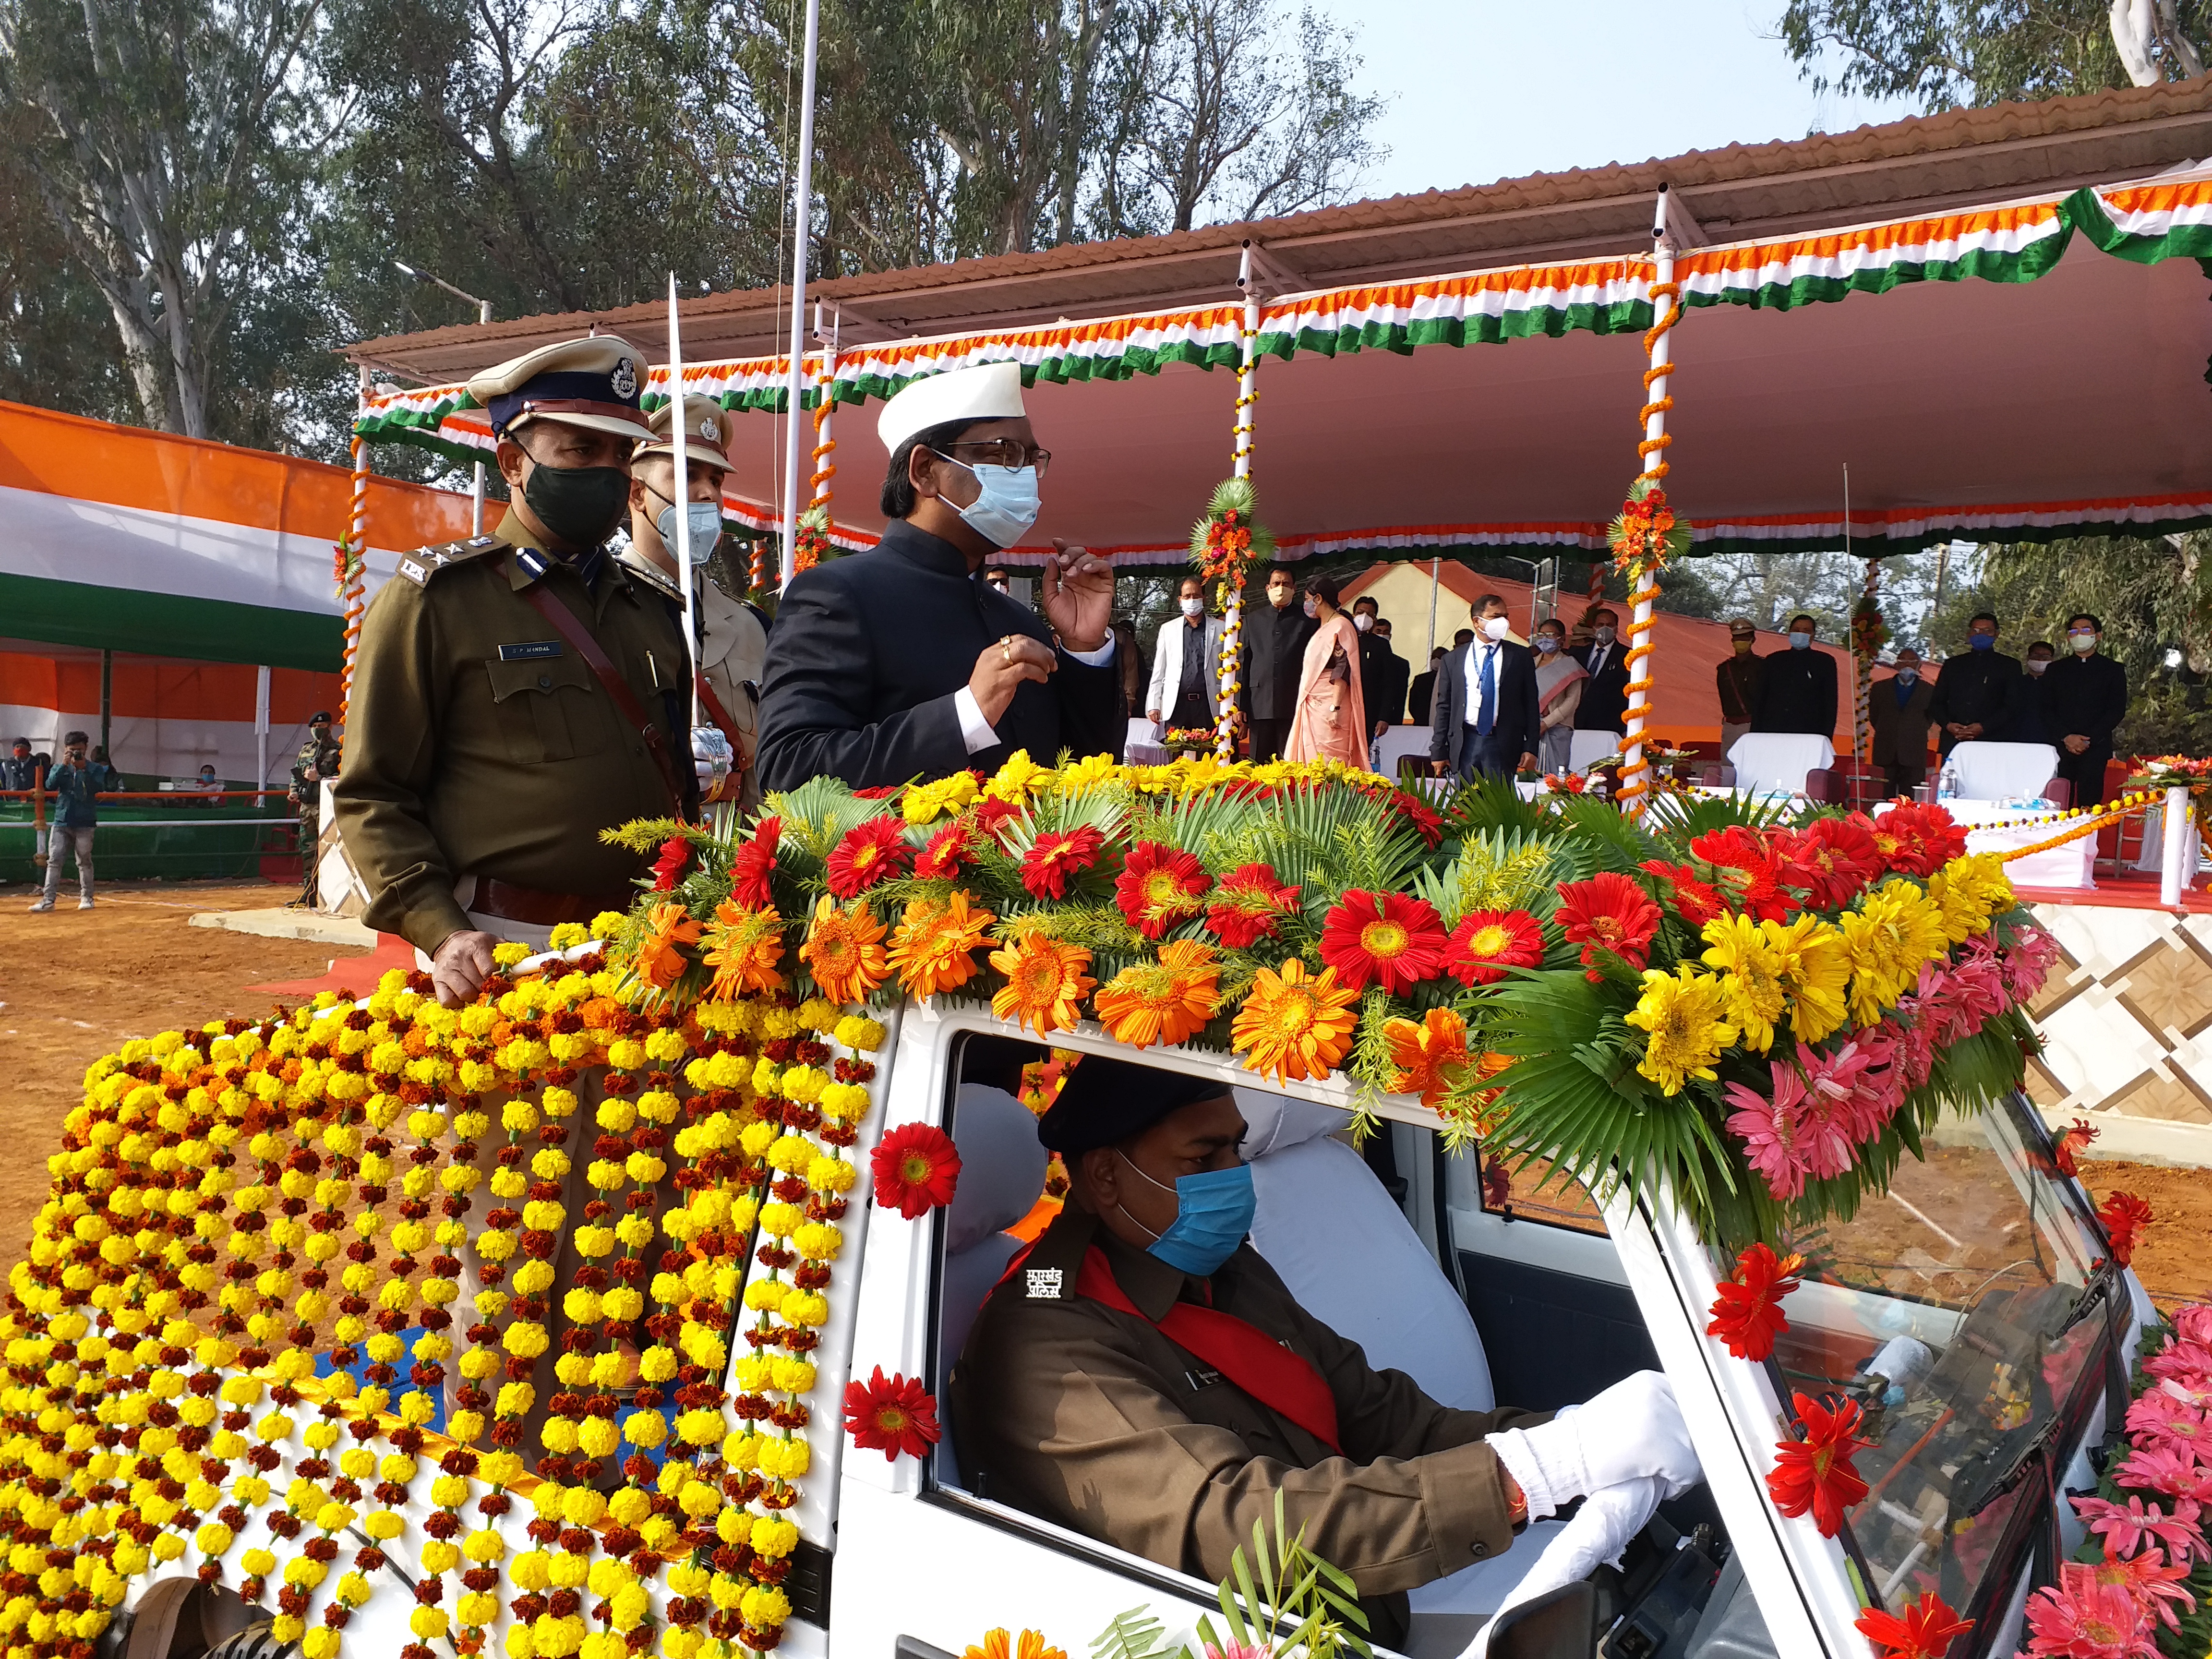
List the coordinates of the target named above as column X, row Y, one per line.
column 1007, row 452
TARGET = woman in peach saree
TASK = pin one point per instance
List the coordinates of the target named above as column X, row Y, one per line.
column 1329, row 723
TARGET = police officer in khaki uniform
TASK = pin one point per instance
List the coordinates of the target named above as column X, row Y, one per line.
column 318, row 761
column 732, row 645
column 516, row 694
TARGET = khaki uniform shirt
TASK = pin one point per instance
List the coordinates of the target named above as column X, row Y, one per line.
column 480, row 743
column 733, row 653
column 1093, row 1419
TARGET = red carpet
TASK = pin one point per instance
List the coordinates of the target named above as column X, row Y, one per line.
column 2137, row 890
column 359, row 975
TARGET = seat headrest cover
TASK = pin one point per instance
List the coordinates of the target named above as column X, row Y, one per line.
column 1001, row 1166
column 1106, row 1100
column 1273, row 1121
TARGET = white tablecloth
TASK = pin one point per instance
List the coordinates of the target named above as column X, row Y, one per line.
column 1989, row 829
column 1397, row 743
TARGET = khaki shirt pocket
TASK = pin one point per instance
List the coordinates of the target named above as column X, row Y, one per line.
column 544, row 707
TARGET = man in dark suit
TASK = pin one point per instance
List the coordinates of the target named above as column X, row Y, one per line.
column 1797, row 687
column 899, row 664
column 1484, row 717
column 2034, row 720
column 1424, row 687
column 1382, row 682
column 1275, row 643
column 2086, row 696
column 1897, row 709
column 1604, row 707
column 1978, row 700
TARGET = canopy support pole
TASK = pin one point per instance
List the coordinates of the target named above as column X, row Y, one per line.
column 1635, row 789
column 680, row 431
column 261, row 732
column 1232, row 610
column 802, row 219
column 353, row 570
column 814, row 528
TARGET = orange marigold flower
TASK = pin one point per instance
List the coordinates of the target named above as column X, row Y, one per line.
column 934, row 948
column 1045, row 982
column 1293, row 1026
column 742, row 948
column 660, row 960
column 1165, row 1001
column 845, row 949
column 1427, row 1058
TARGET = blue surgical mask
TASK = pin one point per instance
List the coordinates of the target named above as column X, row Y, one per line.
column 1801, row 641
column 1982, row 642
column 706, row 519
column 1546, row 644
column 1213, row 1211
column 1008, row 505
column 1907, row 676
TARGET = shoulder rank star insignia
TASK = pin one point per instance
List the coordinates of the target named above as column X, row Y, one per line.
column 1044, row 1284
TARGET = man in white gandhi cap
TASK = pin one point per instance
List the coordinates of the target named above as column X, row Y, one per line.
column 900, row 663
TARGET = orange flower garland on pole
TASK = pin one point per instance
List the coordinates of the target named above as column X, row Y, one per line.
column 1224, row 545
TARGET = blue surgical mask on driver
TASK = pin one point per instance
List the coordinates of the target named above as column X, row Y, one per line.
column 706, row 523
column 1982, row 642
column 1213, row 1211
column 1008, row 506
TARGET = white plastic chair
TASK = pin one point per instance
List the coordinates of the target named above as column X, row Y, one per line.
column 1586, row 749
column 1775, row 763
column 1998, row 771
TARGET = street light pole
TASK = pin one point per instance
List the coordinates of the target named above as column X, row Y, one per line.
column 483, row 315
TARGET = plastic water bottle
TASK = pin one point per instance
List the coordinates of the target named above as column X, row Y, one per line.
column 1947, row 784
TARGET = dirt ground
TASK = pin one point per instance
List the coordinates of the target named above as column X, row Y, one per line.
column 2170, row 1257
column 74, row 985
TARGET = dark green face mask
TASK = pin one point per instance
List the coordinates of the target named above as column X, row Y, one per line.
column 580, row 506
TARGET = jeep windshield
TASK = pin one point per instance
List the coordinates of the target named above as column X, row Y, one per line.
column 1968, row 1310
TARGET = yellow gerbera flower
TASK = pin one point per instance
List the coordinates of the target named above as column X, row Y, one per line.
column 1751, row 970
column 924, row 803
column 1045, row 982
column 1892, row 931
column 1294, row 1026
column 1686, row 1013
column 1165, row 1001
column 1815, row 968
column 1018, row 779
column 1092, row 772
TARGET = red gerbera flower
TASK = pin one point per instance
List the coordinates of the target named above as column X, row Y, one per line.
column 1917, row 840
column 1609, row 912
column 1488, row 942
column 1832, row 858
column 1695, row 899
column 916, row 1168
column 868, row 855
column 1390, row 939
column 1055, row 856
column 1424, row 818
column 891, row 1414
column 675, row 854
column 1926, row 1631
column 2124, row 1216
column 1159, row 886
column 1756, row 888
column 947, row 853
column 880, row 792
column 993, row 815
column 1747, row 1312
column 1815, row 1474
column 751, row 864
column 1249, row 905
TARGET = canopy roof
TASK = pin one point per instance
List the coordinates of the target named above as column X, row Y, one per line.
column 2030, row 367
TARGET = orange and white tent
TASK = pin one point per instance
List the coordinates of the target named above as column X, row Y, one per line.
column 195, row 564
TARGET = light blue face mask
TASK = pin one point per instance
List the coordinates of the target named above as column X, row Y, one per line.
column 1008, row 505
column 1213, row 1211
column 706, row 519
column 1801, row 641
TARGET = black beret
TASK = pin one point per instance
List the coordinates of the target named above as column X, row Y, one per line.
column 1105, row 1101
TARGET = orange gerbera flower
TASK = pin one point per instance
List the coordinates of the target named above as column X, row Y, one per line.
column 1429, row 1057
column 1293, row 1026
column 933, row 947
column 742, row 948
column 660, row 959
column 1045, row 982
column 1165, row 1001
column 845, row 949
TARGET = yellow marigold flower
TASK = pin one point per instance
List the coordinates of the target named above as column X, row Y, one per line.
column 1685, row 1011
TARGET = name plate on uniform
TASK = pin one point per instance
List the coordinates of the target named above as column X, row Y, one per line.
column 530, row 651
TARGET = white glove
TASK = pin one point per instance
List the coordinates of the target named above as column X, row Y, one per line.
column 1632, row 1431
column 710, row 757
column 1601, row 1529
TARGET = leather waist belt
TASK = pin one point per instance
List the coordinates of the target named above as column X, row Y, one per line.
column 538, row 907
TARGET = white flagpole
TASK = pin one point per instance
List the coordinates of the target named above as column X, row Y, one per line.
column 802, row 201
column 680, row 430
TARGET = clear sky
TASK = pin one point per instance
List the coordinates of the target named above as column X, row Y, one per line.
column 1480, row 90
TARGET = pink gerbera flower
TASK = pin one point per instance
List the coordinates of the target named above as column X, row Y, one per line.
column 2079, row 1618
column 2169, row 1469
column 2130, row 1526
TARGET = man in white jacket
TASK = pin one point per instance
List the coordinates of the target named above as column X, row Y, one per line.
column 1186, row 690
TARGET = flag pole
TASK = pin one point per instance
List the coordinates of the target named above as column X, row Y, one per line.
column 801, row 218
column 680, row 432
